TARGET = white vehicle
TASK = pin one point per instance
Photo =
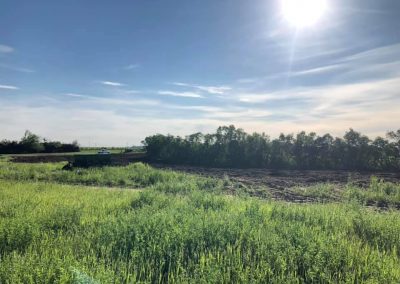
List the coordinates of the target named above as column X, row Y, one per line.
column 103, row 151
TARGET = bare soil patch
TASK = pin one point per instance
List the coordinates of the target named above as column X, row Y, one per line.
column 117, row 159
column 279, row 183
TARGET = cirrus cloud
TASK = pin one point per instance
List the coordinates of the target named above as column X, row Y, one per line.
column 6, row 49
column 8, row 87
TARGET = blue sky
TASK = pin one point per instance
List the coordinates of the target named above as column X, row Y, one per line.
column 113, row 72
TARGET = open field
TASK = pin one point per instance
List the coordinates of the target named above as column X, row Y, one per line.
column 287, row 184
column 197, row 142
column 138, row 224
column 292, row 186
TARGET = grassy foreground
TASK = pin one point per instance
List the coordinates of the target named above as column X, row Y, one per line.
column 181, row 229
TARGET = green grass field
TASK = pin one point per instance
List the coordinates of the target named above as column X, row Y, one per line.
column 137, row 224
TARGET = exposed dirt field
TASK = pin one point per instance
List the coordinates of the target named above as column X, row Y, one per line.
column 277, row 184
column 41, row 158
column 280, row 182
column 117, row 159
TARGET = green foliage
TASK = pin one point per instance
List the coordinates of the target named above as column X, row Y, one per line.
column 32, row 143
column 379, row 193
column 137, row 175
column 181, row 228
column 69, row 234
column 232, row 147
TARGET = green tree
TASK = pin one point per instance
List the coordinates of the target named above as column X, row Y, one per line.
column 31, row 143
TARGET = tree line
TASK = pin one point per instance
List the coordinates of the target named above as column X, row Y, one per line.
column 232, row 147
column 32, row 143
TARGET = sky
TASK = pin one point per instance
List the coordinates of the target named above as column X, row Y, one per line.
column 110, row 73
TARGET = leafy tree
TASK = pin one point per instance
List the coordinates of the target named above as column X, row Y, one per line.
column 32, row 143
column 232, row 147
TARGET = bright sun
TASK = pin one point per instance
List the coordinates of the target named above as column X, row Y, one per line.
column 303, row 13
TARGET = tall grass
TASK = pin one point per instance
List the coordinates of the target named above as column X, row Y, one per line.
column 51, row 233
column 139, row 175
column 136, row 175
column 378, row 193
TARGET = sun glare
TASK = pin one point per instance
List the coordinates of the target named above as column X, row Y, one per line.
column 303, row 13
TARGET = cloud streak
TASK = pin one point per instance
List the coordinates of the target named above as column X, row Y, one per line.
column 76, row 95
column 180, row 94
column 113, row 101
column 8, row 87
column 6, row 49
column 377, row 63
column 18, row 69
column 112, row 84
column 131, row 66
column 216, row 90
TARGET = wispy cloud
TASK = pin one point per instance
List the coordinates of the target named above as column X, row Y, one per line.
column 244, row 115
column 217, row 90
column 113, row 84
column 312, row 71
column 76, row 95
column 180, row 94
column 383, row 53
column 249, row 80
column 377, row 63
column 6, row 49
column 103, row 127
column 110, row 120
column 200, row 108
column 131, row 66
column 18, row 69
column 371, row 90
column 317, row 70
column 106, row 126
column 114, row 100
column 8, row 87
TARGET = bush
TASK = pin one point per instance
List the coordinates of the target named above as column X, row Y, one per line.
column 31, row 143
